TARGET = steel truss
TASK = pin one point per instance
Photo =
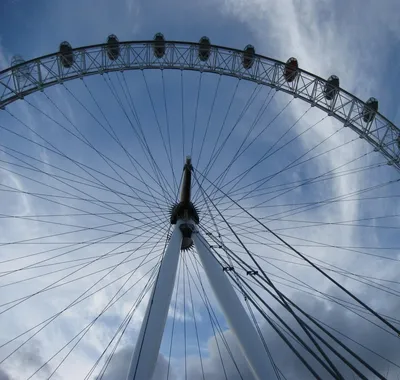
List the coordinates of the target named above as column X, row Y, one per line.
column 147, row 348
column 144, row 358
column 35, row 75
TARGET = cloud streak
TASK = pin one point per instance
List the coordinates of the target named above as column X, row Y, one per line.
column 325, row 40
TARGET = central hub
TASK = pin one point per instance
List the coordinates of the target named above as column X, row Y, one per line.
column 185, row 209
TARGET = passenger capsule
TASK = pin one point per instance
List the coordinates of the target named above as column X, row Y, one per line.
column 159, row 45
column 291, row 69
column 16, row 60
column 370, row 110
column 66, row 54
column 204, row 48
column 20, row 72
column 331, row 87
column 248, row 56
column 113, row 48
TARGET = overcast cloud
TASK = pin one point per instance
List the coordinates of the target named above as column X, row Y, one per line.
column 357, row 41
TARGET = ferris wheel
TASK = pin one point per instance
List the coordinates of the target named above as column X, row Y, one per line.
column 185, row 196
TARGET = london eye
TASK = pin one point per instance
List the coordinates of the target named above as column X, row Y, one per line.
column 161, row 187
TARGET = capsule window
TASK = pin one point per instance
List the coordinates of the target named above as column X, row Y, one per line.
column 204, row 48
column 291, row 69
column 331, row 87
column 248, row 56
column 159, row 45
column 66, row 54
column 370, row 110
column 113, row 47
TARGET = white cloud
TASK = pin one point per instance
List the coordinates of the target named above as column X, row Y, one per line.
column 287, row 362
column 120, row 362
column 325, row 40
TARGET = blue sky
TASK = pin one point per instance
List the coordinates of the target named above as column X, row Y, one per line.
column 357, row 42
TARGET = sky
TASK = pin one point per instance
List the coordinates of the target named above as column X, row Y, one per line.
column 51, row 172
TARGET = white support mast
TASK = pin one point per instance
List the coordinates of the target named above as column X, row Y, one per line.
column 145, row 356
column 184, row 215
column 235, row 314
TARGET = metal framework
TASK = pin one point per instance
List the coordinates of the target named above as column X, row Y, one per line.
column 145, row 356
column 147, row 348
column 235, row 314
column 37, row 74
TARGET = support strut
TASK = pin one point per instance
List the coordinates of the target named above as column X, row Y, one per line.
column 235, row 314
column 185, row 208
column 144, row 358
column 184, row 215
column 187, row 183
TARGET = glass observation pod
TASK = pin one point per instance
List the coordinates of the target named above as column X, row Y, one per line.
column 204, row 48
column 331, row 87
column 291, row 69
column 22, row 72
column 66, row 54
column 248, row 56
column 370, row 110
column 113, row 48
column 159, row 45
column 16, row 60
